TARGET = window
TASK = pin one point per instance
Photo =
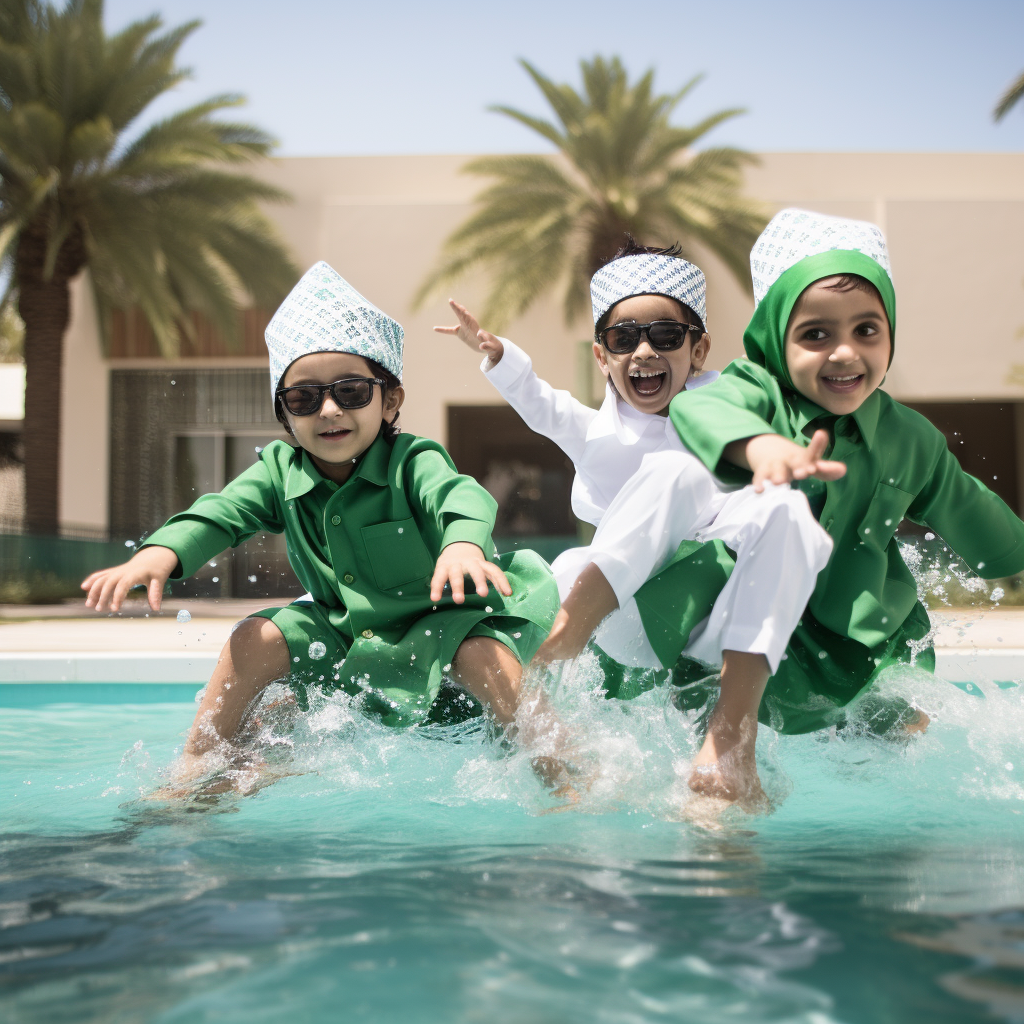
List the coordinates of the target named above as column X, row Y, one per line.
column 177, row 434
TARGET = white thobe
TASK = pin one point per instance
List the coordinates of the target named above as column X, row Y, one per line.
column 646, row 493
column 605, row 445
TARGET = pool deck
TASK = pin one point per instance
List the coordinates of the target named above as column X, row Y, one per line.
column 68, row 643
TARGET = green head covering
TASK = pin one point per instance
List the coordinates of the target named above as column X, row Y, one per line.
column 796, row 249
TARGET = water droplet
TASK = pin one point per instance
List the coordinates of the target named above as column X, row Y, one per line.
column 998, row 594
column 888, row 522
column 517, row 635
column 184, row 616
column 129, row 543
column 401, row 529
column 867, row 529
column 317, row 650
column 981, row 565
column 252, row 579
column 173, row 382
column 296, row 658
column 823, row 655
column 258, row 449
column 929, row 536
column 488, row 609
column 426, row 632
column 1009, row 766
column 216, row 579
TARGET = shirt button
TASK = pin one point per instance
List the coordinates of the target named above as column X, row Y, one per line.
column 349, row 578
column 368, row 633
column 336, row 520
column 831, row 520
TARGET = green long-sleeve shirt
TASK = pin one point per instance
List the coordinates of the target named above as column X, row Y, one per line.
column 366, row 547
column 897, row 466
column 366, row 551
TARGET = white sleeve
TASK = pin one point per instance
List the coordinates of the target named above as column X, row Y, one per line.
column 555, row 414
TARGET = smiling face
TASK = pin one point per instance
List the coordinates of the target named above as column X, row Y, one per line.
column 837, row 345
column 645, row 378
column 333, row 436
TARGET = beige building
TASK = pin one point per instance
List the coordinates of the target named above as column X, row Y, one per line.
column 955, row 224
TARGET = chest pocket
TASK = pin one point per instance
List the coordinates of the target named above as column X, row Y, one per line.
column 888, row 505
column 397, row 553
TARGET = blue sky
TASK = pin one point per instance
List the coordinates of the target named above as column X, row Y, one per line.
column 343, row 78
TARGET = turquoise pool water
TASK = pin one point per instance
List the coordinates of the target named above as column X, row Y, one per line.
column 413, row 877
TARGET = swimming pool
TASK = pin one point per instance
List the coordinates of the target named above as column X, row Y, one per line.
column 413, row 876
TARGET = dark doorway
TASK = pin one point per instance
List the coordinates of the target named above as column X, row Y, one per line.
column 983, row 437
column 528, row 475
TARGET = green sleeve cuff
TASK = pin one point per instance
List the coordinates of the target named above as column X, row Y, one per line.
column 470, row 531
column 194, row 543
column 1008, row 565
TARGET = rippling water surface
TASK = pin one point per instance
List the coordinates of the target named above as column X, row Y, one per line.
column 417, row 877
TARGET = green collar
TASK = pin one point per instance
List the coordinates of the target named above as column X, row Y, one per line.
column 866, row 417
column 372, row 467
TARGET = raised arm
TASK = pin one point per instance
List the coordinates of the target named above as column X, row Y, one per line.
column 738, row 423
column 553, row 413
column 214, row 522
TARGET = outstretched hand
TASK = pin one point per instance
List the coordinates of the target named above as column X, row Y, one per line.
column 776, row 460
column 462, row 559
column 149, row 568
column 471, row 333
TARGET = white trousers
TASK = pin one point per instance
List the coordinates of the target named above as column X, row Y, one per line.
column 780, row 549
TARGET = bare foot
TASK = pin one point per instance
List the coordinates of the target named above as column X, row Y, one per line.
column 917, row 724
column 718, row 782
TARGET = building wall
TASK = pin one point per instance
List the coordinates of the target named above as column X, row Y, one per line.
column 954, row 222
column 85, row 432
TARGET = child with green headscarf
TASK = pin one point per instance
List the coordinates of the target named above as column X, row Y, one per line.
column 818, row 346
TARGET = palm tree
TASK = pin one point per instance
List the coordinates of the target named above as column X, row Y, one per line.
column 1009, row 99
column 622, row 167
column 154, row 214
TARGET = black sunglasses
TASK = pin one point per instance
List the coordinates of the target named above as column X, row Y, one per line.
column 664, row 336
column 348, row 393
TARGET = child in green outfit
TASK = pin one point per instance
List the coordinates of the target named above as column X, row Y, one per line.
column 818, row 347
column 380, row 529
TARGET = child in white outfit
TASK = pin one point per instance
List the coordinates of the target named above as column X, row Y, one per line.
column 651, row 344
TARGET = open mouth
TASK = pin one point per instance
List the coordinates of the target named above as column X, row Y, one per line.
column 339, row 434
column 842, row 383
column 646, row 382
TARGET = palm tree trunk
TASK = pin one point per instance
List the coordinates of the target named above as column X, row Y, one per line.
column 607, row 238
column 45, row 307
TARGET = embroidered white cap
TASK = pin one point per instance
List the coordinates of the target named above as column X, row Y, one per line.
column 793, row 235
column 324, row 313
column 647, row 274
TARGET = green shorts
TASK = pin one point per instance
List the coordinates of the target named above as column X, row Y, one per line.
column 405, row 683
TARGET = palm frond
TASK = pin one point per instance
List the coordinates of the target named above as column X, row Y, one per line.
column 166, row 226
column 549, row 222
column 1009, row 99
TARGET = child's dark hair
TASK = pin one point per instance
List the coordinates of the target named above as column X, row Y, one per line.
column 631, row 247
column 853, row 283
column 390, row 430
